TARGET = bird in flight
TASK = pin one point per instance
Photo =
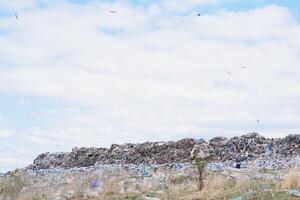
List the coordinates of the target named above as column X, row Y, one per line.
column 16, row 16
column 257, row 120
column 229, row 73
column 243, row 67
column 113, row 11
column 198, row 14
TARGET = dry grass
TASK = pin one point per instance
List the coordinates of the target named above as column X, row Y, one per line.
column 220, row 187
column 121, row 185
column 113, row 183
column 215, row 187
column 291, row 181
column 11, row 187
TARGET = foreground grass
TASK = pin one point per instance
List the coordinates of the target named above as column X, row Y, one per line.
column 270, row 185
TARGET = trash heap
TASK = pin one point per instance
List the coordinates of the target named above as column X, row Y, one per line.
column 288, row 146
column 79, row 157
column 248, row 147
column 149, row 153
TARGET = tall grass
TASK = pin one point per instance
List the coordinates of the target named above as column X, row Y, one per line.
column 11, row 187
column 291, row 181
column 121, row 185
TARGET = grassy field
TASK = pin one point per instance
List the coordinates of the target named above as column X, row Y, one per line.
column 164, row 184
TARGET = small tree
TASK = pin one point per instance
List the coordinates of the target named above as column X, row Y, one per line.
column 199, row 162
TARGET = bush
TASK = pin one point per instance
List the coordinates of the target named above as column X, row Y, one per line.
column 199, row 164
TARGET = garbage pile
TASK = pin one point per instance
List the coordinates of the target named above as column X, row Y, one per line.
column 79, row 157
column 288, row 146
column 49, row 160
column 248, row 147
column 149, row 153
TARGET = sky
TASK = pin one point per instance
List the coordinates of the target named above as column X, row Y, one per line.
column 73, row 73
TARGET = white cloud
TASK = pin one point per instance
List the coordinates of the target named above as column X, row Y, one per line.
column 7, row 160
column 23, row 102
column 15, row 5
column 142, row 74
column 11, row 160
column 6, row 134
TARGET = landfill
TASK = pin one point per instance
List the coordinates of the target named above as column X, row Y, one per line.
column 247, row 150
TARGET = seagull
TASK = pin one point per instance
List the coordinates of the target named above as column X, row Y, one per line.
column 243, row 67
column 198, row 14
column 16, row 16
column 257, row 120
column 229, row 73
column 113, row 11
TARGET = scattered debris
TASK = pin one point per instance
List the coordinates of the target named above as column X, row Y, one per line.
column 59, row 198
column 146, row 174
column 217, row 167
column 238, row 198
column 238, row 166
column 95, row 184
column 151, row 198
column 294, row 192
